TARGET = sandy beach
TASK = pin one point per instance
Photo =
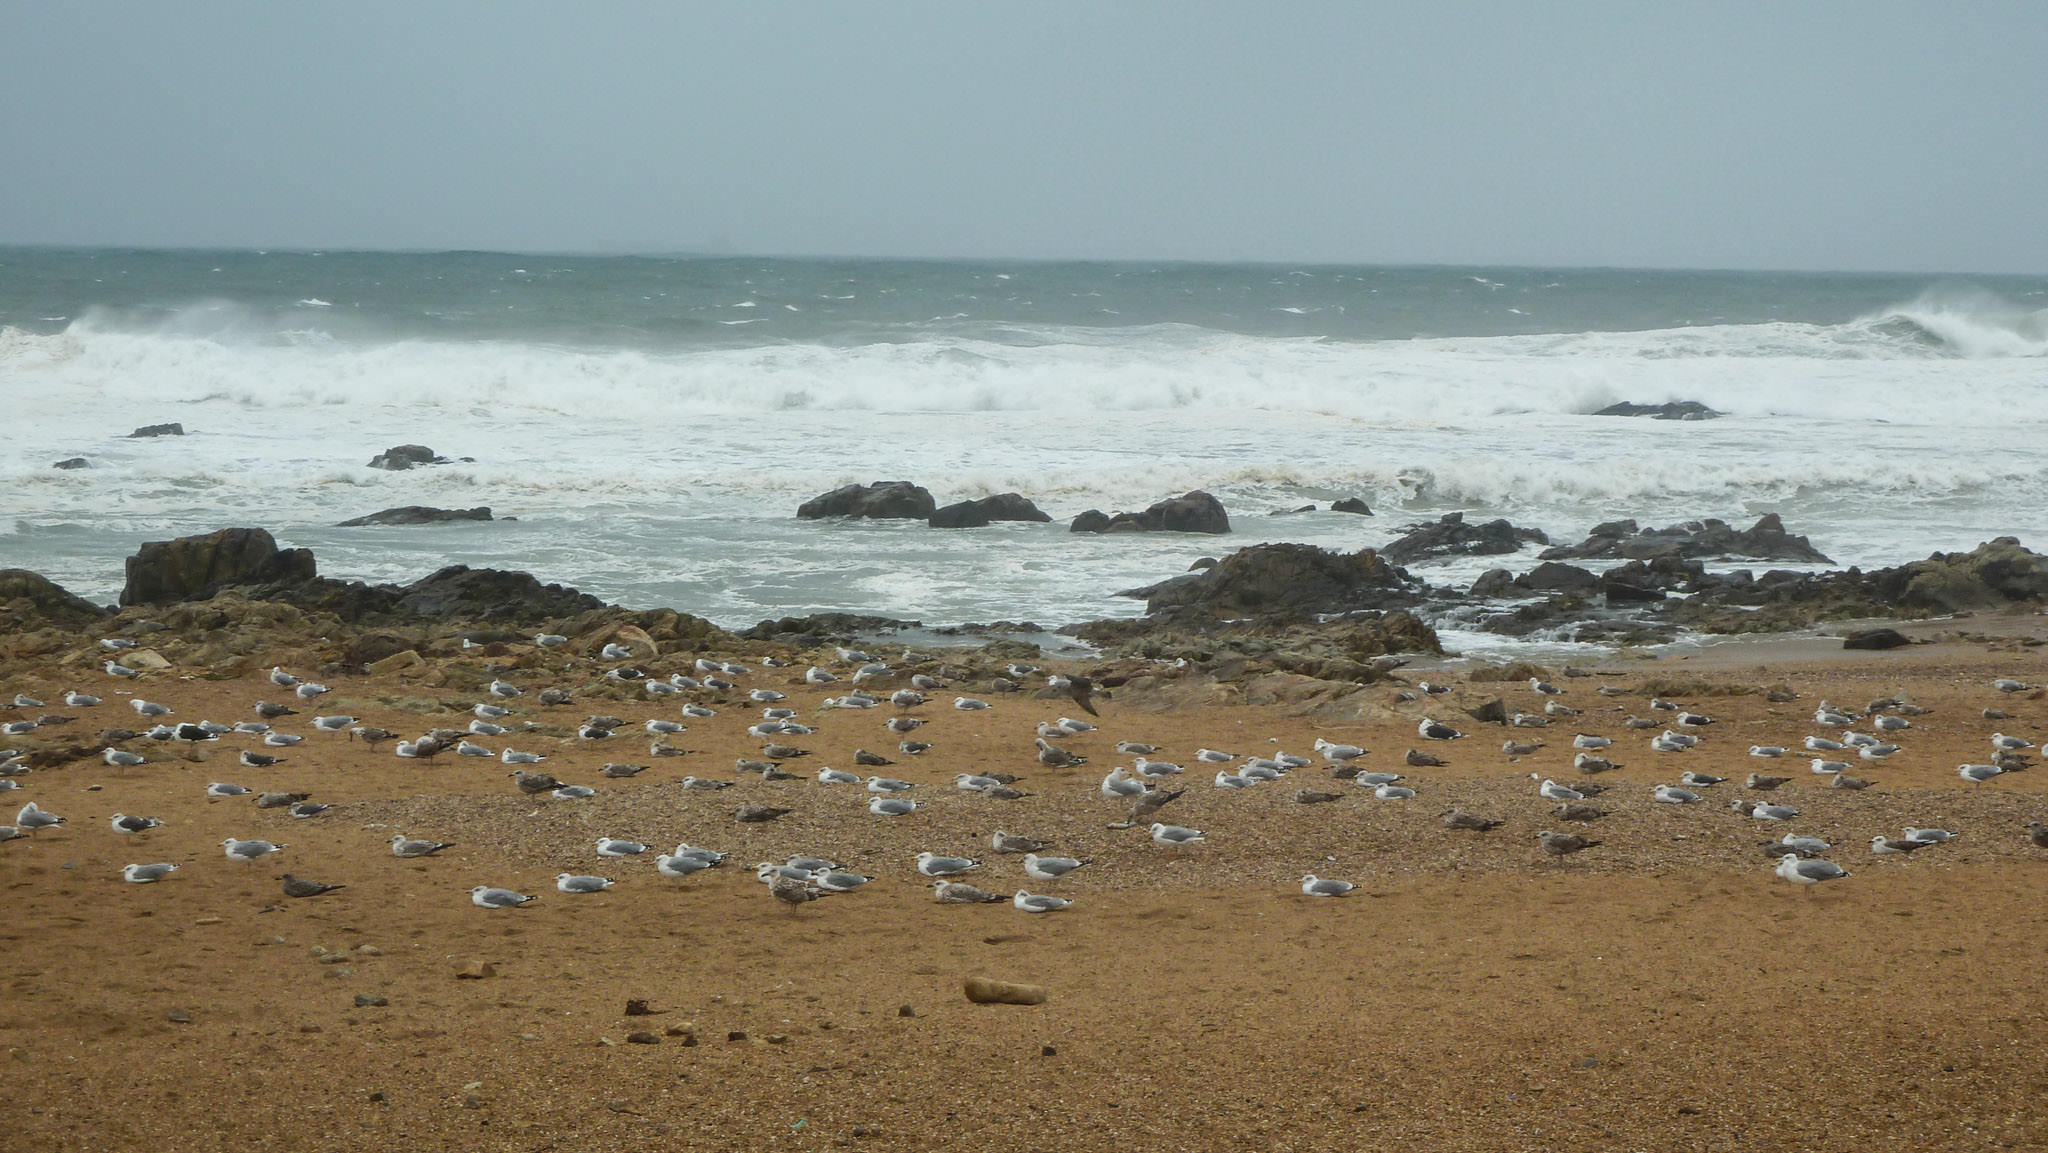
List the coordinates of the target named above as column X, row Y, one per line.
column 1662, row 989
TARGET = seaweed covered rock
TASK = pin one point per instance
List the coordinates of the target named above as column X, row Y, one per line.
column 1196, row 511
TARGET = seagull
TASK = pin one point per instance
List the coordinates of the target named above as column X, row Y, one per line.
column 1700, row 780
column 279, row 800
column 294, row 887
column 116, row 644
column 309, row 691
column 1050, row 868
column 77, row 700
column 614, row 847
column 1892, row 724
column 126, row 824
column 404, row 846
column 888, row 785
column 1431, row 730
column 333, row 724
column 2005, row 744
column 122, row 757
column 1052, row 756
column 1174, row 835
column 1588, row 763
column 705, row 784
column 1563, row 844
column 1762, row 783
column 891, row 806
column 512, row 756
column 1672, row 796
column 907, row 698
column 249, row 850
column 1978, row 774
column 969, row 704
column 1004, row 842
column 1390, row 792
column 1669, row 743
column 1822, row 767
column 1520, row 748
column 1314, row 886
column 1214, row 756
column 119, row 670
column 933, row 865
column 144, row 874
column 152, row 709
column 1767, row 812
column 572, row 883
column 1135, row 749
column 959, row 893
column 1823, row 745
column 1416, row 758
column 1036, row 903
column 835, row 881
column 1801, row 872
column 1766, row 751
column 1934, row 835
column 2009, row 685
column 831, row 776
column 1146, row 767
column 550, row 640
column 1876, row 752
column 468, row 749
column 484, row 896
column 505, row 689
column 1884, row 846
column 1591, row 742
column 1803, row 844
column 1229, row 780
column 1459, row 819
column 1552, row 791
column 1845, row 781
column 1080, row 688
column 32, row 816
column 1694, row 720
column 680, row 866
column 219, row 789
column 1337, row 754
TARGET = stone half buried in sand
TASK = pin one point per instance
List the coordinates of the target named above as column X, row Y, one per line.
column 193, row 567
column 418, row 514
column 987, row 510
column 989, row 991
column 1196, row 511
column 884, row 499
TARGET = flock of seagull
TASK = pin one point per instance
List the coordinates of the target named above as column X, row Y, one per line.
column 1146, row 784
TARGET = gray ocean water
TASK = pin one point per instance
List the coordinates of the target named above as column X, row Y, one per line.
column 653, row 422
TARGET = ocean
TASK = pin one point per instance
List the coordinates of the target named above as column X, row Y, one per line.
column 653, row 422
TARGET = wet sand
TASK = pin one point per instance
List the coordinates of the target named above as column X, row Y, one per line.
column 1661, row 990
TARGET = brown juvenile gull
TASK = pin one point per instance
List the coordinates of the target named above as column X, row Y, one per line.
column 1146, row 806
column 864, row 757
column 1011, row 843
column 2037, row 833
column 1563, row 844
column 1421, row 760
column 294, row 887
column 793, row 892
column 1311, row 797
column 534, row 784
column 279, row 800
column 1460, row 819
column 755, row 814
column 404, row 846
column 1053, row 756
column 1080, row 688
column 1762, row 783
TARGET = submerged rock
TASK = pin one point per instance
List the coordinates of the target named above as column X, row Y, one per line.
column 1451, row 536
column 148, row 430
column 1672, row 410
column 1196, row 511
column 418, row 514
column 72, row 463
column 400, row 457
column 885, row 499
column 1622, row 540
column 987, row 510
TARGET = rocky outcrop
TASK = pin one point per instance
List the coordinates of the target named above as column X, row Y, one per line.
column 459, row 592
column 1622, row 540
column 193, row 567
column 987, row 510
column 1192, row 512
column 72, row 462
column 1451, row 536
column 1294, row 581
column 1673, row 410
column 148, row 430
column 418, row 514
column 400, row 457
column 889, row 499
column 27, row 596
column 1350, row 504
column 1355, row 648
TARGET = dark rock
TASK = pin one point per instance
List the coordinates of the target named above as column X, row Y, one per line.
column 400, row 457
column 1551, row 577
column 172, row 429
column 459, row 592
column 823, row 629
column 1765, row 540
column 882, row 499
column 418, row 514
column 1350, row 504
column 1285, row 580
column 1495, row 583
column 1451, row 536
column 977, row 513
column 1292, row 511
column 1493, row 712
column 1094, row 520
column 1875, row 639
column 193, row 567
column 25, row 595
column 1621, row 592
column 1674, row 410
column 73, row 462
column 1193, row 512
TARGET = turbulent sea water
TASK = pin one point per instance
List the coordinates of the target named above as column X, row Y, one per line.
column 654, row 422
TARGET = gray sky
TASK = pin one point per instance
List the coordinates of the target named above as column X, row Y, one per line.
column 1839, row 135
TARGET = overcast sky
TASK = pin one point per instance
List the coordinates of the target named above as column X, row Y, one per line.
column 1838, row 135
